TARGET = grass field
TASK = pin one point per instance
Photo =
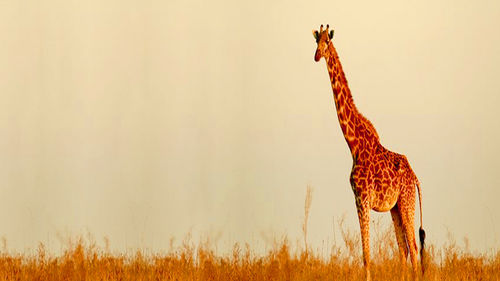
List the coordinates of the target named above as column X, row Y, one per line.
column 83, row 260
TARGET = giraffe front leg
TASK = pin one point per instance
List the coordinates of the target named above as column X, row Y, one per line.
column 364, row 223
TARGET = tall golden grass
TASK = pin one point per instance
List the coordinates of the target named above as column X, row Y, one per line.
column 83, row 260
column 307, row 208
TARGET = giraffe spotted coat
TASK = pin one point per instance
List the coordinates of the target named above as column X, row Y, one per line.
column 381, row 180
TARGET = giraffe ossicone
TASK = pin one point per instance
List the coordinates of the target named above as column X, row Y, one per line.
column 381, row 180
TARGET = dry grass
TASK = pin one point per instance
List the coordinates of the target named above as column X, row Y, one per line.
column 83, row 260
column 307, row 207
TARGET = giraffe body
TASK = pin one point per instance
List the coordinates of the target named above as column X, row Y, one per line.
column 381, row 180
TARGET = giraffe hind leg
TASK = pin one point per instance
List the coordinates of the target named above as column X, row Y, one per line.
column 407, row 217
column 400, row 235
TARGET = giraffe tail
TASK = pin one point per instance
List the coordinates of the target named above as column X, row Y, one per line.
column 421, row 232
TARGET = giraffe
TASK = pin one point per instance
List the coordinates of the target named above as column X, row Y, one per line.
column 381, row 180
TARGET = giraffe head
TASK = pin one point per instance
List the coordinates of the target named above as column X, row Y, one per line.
column 323, row 38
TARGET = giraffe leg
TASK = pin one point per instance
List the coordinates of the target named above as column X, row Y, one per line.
column 364, row 223
column 407, row 216
column 400, row 235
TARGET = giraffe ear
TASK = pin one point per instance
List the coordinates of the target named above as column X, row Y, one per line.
column 331, row 34
column 316, row 35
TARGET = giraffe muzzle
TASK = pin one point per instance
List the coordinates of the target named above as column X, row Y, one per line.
column 317, row 56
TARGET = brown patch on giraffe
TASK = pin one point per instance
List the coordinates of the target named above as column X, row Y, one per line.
column 364, row 155
column 354, row 143
column 391, row 173
column 347, row 110
column 341, row 103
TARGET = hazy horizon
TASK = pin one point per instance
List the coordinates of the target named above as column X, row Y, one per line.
column 142, row 121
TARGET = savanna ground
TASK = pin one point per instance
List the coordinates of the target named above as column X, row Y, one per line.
column 83, row 260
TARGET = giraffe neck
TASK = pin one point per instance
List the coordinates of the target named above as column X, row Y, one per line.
column 356, row 128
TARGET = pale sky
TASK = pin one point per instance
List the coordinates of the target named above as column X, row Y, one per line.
column 145, row 120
